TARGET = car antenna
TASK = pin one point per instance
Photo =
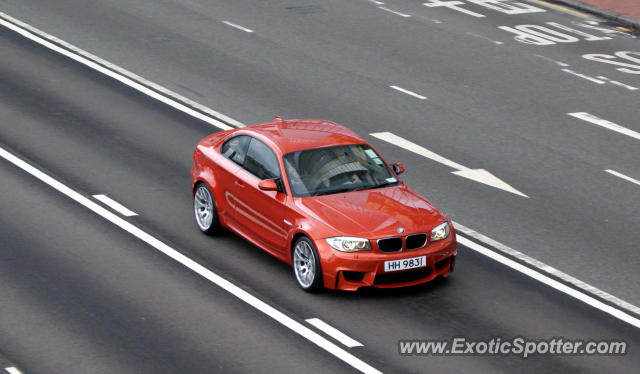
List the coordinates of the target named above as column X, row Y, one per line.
column 277, row 120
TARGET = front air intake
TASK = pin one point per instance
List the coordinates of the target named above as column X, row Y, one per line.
column 402, row 277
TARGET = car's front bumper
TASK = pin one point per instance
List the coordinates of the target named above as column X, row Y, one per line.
column 350, row 271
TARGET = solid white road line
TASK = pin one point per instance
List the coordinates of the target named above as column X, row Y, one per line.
column 115, row 205
column 334, row 333
column 625, row 177
column 138, row 83
column 13, row 370
column 478, row 175
column 606, row 124
column 240, row 293
column 394, row 12
column 585, row 287
column 409, row 92
column 617, row 313
column 237, row 26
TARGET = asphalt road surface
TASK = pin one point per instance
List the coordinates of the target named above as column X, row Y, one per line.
column 530, row 97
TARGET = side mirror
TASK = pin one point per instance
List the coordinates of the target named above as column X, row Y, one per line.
column 398, row 168
column 268, row 185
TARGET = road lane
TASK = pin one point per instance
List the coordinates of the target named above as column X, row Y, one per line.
column 80, row 295
column 138, row 156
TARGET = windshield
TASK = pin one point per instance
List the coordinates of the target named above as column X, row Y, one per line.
column 337, row 169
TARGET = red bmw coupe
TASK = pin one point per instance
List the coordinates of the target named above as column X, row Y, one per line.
column 319, row 197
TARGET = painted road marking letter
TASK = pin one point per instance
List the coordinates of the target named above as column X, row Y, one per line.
column 452, row 5
column 507, row 7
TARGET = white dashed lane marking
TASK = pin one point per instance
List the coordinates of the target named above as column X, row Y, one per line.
column 594, row 80
column 394, row 12
column 334, row 333
column 606, row 124
column 625, row 177
column 232, row 288
column 115, row 205
column 409, row 92
column 237, row 26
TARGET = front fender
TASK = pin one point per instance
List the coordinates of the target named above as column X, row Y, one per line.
column 203, row 175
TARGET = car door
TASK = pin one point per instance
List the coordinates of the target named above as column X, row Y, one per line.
column 261, row 213
column 233, row 151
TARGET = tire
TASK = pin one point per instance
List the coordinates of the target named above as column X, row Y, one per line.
column 205, row 210
column 306, row 265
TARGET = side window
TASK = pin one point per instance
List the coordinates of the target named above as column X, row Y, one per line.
column 260, row 161
column 235, row 148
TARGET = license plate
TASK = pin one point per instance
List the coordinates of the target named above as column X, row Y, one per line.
column 406, row 263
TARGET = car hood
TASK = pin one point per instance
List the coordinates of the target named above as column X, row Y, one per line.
column 373, row 213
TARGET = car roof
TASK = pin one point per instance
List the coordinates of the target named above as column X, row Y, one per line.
column 298, row 134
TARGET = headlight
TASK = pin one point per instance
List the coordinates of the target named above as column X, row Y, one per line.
column 348, row 244
column 440, row 232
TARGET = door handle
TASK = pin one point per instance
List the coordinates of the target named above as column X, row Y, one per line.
column 239, row 184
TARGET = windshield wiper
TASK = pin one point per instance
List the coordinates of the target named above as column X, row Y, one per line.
column 384, row 184
column 359, row 188
column 339, row 190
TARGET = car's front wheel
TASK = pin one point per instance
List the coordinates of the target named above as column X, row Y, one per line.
column 204, row 207
column 306, row 265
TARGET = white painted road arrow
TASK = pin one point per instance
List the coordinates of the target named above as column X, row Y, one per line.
column 478, row 175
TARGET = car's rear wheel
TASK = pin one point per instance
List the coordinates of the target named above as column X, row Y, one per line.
column 204, row 207
column 306, row 265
